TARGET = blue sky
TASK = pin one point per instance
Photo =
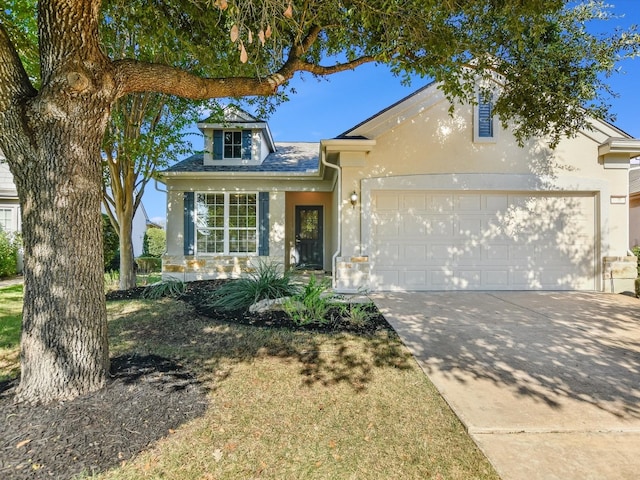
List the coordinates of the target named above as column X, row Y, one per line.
column 325, row 108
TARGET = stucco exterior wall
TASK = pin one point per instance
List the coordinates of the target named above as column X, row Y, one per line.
column 198, row 267
column 634, row 220
column 432, row 143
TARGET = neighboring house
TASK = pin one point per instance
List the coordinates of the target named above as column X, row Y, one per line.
column 412, row 198
column 634, row 203
column 138, row 229
column 10, row 219
column 9, row 202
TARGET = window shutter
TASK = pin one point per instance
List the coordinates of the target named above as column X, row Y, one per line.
column 485, row 117
column 217, row 144
column 263, row 224
column 189, row 226
column 246, row 145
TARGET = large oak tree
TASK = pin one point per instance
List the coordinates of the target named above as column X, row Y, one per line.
column 54, row 112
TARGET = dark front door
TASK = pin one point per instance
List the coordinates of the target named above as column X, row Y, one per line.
column 309, row 237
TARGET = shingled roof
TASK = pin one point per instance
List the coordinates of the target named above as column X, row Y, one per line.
column 290, row 157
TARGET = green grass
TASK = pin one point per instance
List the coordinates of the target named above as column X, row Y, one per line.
column 294, row 404
column 10, row 322
column 291, row 404
column 112, row 279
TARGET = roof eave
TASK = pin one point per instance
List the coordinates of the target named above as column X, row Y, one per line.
column 247, row 175
column 623, row 146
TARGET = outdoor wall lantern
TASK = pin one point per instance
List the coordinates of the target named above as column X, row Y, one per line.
column 353, row 198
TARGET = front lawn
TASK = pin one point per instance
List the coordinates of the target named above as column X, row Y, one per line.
column 278, row 403
column 10, row 321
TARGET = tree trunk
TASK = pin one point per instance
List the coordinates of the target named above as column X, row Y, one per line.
column 64, row 349
column 54, row 156
column 127, row 265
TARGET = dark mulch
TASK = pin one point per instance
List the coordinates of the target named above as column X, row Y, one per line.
column 198, row 294
column 146, row 398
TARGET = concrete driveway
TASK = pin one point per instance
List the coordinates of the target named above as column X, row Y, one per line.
column 547, row 383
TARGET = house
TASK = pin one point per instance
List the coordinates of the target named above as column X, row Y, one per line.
column 413, row 198
column 9, row 202
column 10, row 216
column 634, row 203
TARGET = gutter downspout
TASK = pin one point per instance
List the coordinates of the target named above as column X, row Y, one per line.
column 158, row 188
column 338, row 251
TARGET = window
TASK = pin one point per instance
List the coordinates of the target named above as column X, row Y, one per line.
column 227, row 223
column 232, row 144
column 6, row 219
column 484, row 119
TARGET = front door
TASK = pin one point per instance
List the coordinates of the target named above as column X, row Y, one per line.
column 309, row 237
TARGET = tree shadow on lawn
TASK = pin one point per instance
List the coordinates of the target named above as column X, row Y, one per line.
column 166, row 358
column 212, row 345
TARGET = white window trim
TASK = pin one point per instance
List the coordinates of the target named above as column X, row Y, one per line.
column 226, row 240
column 224, row 143
column 14, row 220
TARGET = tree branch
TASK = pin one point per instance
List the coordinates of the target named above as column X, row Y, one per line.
column 339, row 67
column 14, row 81
column 133, row 76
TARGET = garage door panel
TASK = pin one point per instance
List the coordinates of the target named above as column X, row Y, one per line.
column 387, row 202
column 388, row 277
column 416, row 253
column 496, row 279
column 469, row 255
column 491, row 240
column 415, row 278
column 466, row 203
column 414, row 202
column 468, row 226
column 440, row 203
column 497, row 253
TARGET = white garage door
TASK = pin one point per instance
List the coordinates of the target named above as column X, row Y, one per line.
column 426, row 240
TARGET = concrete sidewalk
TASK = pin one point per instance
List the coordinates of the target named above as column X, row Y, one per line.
column 547, row 383
column 7, row 282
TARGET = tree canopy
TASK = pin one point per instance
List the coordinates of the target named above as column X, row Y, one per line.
column 60, row 80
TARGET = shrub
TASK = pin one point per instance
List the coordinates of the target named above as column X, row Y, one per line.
column 149, row 264
column 154, row 243
column 166, row 288
column 111, row 246
column 8, row 255
column 358, row 314
column 311, row 304
column 266, row 283
column 111, row 279
column 636, row 252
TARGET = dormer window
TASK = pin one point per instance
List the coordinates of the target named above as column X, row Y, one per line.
column 238, row 139
column 483, row 128
column 232, row 144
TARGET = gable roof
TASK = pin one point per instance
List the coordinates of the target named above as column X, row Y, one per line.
column 235, row 117
column 290, row 159
column 429, row 95
column 357, row 132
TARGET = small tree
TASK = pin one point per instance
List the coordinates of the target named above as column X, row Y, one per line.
column 155, row 242
column 8, row 255
column 110, row 237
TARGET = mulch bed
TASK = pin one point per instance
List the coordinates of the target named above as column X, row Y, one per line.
column 146, row 398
